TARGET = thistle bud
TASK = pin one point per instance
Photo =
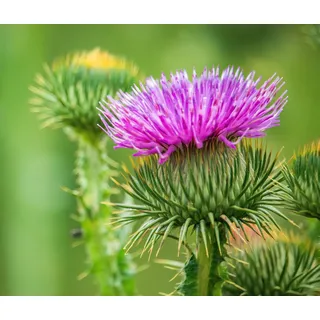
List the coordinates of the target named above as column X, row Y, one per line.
column 281, row 267
column 302, row 194
column 67, row 94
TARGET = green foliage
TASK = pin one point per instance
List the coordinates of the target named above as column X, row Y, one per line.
column 302, row 194
column 213, row 188
column 189, row 285
column 69, row 95
column 277, row 268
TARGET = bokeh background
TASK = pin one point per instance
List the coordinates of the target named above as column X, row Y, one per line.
column 37, row 256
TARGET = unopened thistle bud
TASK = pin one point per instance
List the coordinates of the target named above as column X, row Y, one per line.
column 68, row 92
column 198, row 173
column 302, row 194
column 285, row 266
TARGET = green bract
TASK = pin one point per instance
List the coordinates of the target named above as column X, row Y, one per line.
column 67, row 94
column 208, row 190
column 303, row 180
column 276, row 268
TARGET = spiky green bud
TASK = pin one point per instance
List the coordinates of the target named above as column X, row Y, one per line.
column 302, row 194
column 281, row 267
column 207, row 190
column 68, row 93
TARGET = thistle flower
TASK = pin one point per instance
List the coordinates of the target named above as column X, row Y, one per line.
column 194, row 176
column 68, row 92
column 302, row 194
column 166, row 115
column 281, row 267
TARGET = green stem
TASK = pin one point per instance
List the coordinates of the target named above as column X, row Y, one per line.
column 204, row 267
column 211, row 266
column 110, row 266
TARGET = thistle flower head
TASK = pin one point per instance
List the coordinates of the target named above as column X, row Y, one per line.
column 302, row 194
column 280, row 267
column 194, row 177
column 68, row 92
column 164, row 115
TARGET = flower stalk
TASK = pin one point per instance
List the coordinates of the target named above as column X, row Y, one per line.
column 210, row 264
column 204, row 268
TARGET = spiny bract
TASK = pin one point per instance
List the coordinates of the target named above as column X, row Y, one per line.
column 203, row 190
column 302, row 194
column 67, row 94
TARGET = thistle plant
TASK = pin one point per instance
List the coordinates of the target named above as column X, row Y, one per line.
column 197, row 170
column 66, row 96
column 302, row 176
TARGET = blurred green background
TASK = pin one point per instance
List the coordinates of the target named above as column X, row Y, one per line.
column 36, row 253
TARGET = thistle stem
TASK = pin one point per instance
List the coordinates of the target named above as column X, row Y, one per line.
column 108, row 263
column 210, row 266
column 204, row 266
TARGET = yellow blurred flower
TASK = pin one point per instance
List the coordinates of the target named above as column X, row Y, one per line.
column 98, row 59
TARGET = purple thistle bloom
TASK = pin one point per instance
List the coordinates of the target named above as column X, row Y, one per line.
column 163, row 115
